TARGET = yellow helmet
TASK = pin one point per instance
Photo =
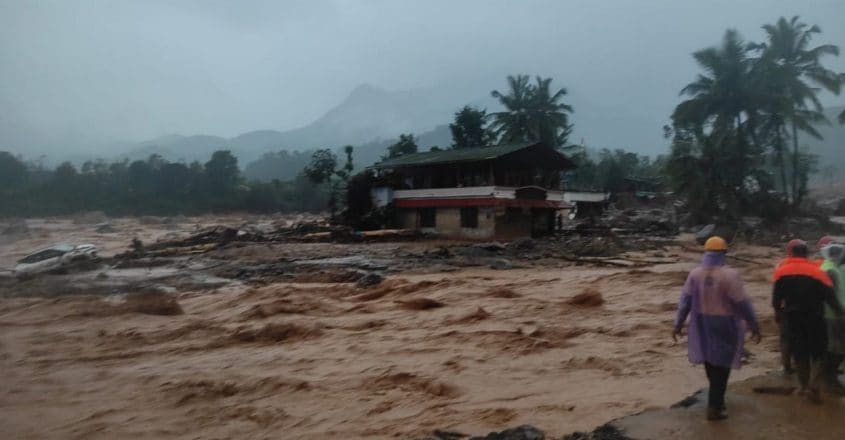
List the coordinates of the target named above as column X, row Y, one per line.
column 715, row 244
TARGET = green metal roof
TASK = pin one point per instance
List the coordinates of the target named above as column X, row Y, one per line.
column 454, row 156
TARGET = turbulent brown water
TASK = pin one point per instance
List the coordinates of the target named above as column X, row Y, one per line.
column 562, row 348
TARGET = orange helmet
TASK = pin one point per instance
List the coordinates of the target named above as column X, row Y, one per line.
column 715, row 244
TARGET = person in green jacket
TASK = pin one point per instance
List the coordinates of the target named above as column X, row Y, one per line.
column 834, row 254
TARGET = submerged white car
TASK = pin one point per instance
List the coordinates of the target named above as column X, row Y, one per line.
column 56, row 259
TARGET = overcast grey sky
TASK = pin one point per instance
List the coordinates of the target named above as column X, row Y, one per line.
column 81, row 72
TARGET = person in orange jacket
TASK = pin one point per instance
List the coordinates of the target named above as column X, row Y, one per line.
column 801, row 290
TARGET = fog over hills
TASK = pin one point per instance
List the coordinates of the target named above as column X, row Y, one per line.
column 371, row 118
column 84, row 80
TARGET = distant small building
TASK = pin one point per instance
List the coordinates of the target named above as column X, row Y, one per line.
column 504, row 191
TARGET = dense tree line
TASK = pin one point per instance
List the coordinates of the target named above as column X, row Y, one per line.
column 154, row 186
column 735, row 145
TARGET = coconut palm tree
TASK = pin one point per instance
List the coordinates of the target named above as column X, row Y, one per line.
column 796, row 74
column 550, row 116
column 722, row 94
column 532, row 112
column 722, row 105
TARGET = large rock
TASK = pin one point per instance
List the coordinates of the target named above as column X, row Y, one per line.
column 501, row 264
column 494, row 246
column 524, row 432
column 370, row 279
column 105, row 228
column 728, row 232
column 523, row 244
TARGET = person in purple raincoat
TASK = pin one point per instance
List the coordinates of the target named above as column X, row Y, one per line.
column 719, row 311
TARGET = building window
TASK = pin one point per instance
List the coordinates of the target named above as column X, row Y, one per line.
column 512, row 212
column 428, row 217
column 469, row 217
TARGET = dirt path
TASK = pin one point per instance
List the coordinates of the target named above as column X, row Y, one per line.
column 752, row 415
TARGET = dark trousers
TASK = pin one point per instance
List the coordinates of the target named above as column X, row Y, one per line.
column 810, row 370
column 718, row 377
column 785, row 351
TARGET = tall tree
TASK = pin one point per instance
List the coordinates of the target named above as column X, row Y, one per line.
column 13, row 172
column 469, row 129
column 407, row 144
column 795, row 73
column 532, row 112
column 723, row 101
column 323, row 169
column 222, row 171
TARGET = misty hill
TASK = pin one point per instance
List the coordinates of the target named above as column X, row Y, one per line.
column 177, row 147
column 285, row 165
column 369, row 115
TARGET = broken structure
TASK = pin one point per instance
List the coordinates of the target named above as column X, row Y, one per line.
column 504, row 191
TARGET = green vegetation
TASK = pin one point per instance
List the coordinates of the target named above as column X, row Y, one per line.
column 735, row 148
column 323, row 170
column 532, row 112
column 281, row 165
column 407, row 144
column 610, row 169
column 154, row 186
column 470, row 129
column 740, row 125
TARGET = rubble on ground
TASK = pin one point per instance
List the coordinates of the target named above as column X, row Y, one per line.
column 523, row 432
column 90, row 218
column 153, row 301
column 105, row 228
column 653, row 221
column 370, row 279
column 15, row 227
column 604, row 432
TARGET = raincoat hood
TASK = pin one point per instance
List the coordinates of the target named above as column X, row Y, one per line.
column 712, row 259
column 834, row 253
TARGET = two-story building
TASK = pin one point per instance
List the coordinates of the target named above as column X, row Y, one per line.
column 503, row 191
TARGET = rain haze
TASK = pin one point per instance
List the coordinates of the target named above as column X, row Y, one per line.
column 92, row 77
column 422, row 219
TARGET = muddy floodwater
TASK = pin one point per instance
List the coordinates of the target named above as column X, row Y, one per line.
column 557, row 344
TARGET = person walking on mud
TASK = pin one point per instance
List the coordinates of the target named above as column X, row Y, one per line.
column 718, row 308
column 801, row 289
column 833, row 255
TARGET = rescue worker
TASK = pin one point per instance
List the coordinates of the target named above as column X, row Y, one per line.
column 718, row 308
column 834, row 254
column 800, row 291
column 783, row 325
column 824, row 241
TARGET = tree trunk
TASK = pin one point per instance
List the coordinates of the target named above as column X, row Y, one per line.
column 782, row 162
column 795, row 169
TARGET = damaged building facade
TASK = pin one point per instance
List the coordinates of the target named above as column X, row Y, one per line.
column 504, row 191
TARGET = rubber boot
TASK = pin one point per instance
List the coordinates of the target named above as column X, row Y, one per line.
column 814, row 396
column 831, row 375
column 714, row 414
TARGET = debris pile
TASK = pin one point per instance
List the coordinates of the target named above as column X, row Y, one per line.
column 590, row 297
column 661, row 222
column 523, row 432
column 17, row 226
column 90, row 218
column 153, row 302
